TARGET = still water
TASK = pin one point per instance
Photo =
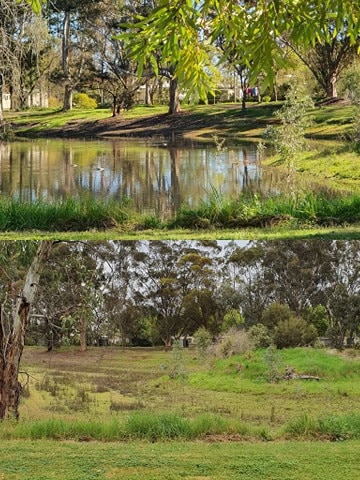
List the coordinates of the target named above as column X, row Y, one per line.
column 158, row 176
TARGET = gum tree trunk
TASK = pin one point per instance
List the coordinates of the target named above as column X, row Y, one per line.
column 12, row 342
column 174, row 106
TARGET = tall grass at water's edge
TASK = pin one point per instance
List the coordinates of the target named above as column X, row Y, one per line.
column 245, row 211
column 69, row 214
column 216, row 211
column 167, row 426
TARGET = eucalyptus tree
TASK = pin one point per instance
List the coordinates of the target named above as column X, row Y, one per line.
column 15, row 48
column 71, row 294
column 341, row 295
column 70, row 20
column 246, row 276
column 21, row 265
column 198, row 276
column 114, row 74
column 159, row 290
column 328, row 59
column 121, row 301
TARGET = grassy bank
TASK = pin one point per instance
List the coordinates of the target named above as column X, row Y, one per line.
column 332, row 122
column 307, row 210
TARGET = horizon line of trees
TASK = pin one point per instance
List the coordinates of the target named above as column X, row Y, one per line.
column 152, row 292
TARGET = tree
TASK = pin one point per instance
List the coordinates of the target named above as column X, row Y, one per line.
column 327, row 60
column 12, row 332
column 182, row 31
column 72, row 19
column 71, row 298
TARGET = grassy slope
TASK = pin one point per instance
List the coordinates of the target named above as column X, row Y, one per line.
column 74, row 386
column 137, row 378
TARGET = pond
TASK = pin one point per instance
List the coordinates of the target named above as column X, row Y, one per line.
column 156, row 174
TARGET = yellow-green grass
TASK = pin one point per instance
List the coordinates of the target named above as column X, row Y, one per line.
column 285, row 232
column 106, row 385
column 51, row 460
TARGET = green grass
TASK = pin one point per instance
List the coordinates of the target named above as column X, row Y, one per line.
column 223, row 420
column 132, row 391
column 216, row 212
column 50, row 460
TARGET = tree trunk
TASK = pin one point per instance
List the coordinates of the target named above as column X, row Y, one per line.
column 174, row 106
column 12, row 343
column 148, row 100
column 65, row 62
column 83, row 325
column 332, row 92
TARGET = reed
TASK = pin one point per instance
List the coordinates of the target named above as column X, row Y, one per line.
column 69, row 214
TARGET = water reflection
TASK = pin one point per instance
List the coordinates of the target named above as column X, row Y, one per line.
column 158, row 176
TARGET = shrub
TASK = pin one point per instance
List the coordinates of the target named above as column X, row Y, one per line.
column 259, row 336
column 294, row 332
column 233, row 342
column 203, row 340
column 54, row 102
column 275, row 313
column 82, row 100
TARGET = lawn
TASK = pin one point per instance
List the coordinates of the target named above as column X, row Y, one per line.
column 51, row 460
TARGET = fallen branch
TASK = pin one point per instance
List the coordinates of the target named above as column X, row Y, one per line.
column 290, row 374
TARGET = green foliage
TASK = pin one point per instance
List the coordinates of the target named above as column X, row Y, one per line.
column 70, row 214
column 183, row 34
column 177, row 368
column 275, row 313
column 294, row 332
column 289, row 138
column 203, row 340
column 259, row 336
column 319, row 317
column 233, row 319
column 351, row 85
column 82, row 100
column 332, row 427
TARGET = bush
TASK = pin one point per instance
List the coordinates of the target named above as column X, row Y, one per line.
column 294, row 332
column 259, row 336
column 276, row 312
column 203, row 340
column 233, row 342
column 266, row 98
column 82, row 100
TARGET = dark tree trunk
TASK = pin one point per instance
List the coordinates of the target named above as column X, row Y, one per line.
column 174, row 106
column 12, row 342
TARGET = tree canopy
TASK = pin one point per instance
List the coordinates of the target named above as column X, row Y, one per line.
column 184, row 31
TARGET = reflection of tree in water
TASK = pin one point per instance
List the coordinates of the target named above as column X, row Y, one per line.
column 158, row 176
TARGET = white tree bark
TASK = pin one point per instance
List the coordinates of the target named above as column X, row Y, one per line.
column 12, row 343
